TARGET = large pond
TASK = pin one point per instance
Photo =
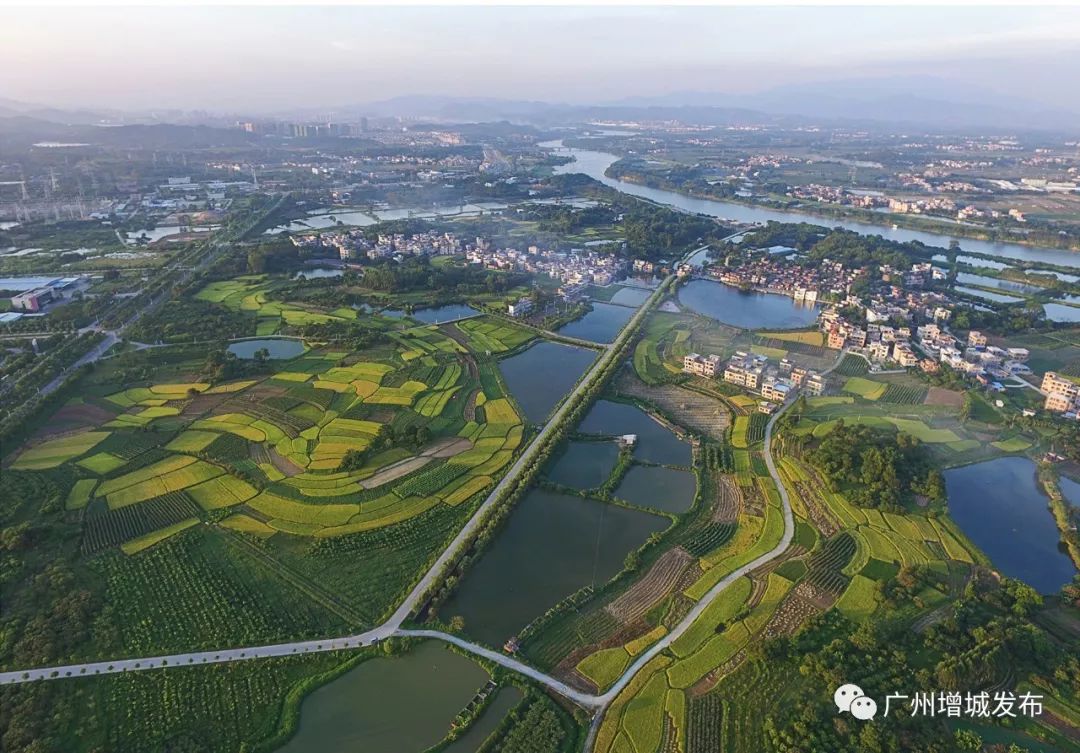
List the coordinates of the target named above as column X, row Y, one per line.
column 552, row 545
column 542, row 375
column 279, row 348
column 748, row 310
column 584, row 465
column 656, row 443
column 594, row 164
column 661, row 488
column 600, row 325
column 999, row 507
column 389, row 705
column 435, row 314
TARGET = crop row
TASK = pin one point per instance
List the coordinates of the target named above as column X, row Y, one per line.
column 113, row 527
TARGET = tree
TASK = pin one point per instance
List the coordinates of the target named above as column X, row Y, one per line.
column 968, row 740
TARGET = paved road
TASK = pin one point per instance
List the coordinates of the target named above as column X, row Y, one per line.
column 392, row 625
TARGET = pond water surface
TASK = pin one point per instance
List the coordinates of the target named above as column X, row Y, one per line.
column 631, row 297
column 552, row 545
column 505, row 699
column 661, row 488
column 401, row 704
column 998, row 505
column 1059, row 312
column 600, row 325
column 656, row 443
column 542, row 375
column 434, row 314
column 748, row 310
column 584, row 465
column 279, row 348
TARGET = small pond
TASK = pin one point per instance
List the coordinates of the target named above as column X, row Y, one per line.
column 319, row 272
column 995, row 297
column 544, row 374
column 435, row 314
column 551, row 546
column 506, row 698
column 1059, row 312
column 661, row 488
column 279, row 348
column 600, row 325
column 656, row 443
column 999, row 506
column 748, row 310
column 401, row 704
column 584, row 465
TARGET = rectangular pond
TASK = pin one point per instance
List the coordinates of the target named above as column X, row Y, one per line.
column 656, row 443
column 584, row 465
column 552, row 545
column 658, row 487
column 543, row 375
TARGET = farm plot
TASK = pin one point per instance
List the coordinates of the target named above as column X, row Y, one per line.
column 148, row 540
column 656, row 584
column 902, row 394
column 169, row 475
column 700, row 413
column 486, row 334
column 55, row 452
column 111, row 528
column 865, row 388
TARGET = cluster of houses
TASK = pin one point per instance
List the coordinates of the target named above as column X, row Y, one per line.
column 753, row 372
column 800, row 283
column 351, row 245
column 575, row 267
column 878, row 342
column 1062, row 395
column 974, row 357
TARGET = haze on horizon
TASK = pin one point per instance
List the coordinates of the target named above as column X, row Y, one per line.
column 273, row 59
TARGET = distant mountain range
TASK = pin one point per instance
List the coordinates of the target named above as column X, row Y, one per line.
column 896, row 101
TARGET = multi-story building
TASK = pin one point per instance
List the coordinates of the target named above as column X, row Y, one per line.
column 1062, row 395
column 976, row 339
column 745, row 370
column 705, row 366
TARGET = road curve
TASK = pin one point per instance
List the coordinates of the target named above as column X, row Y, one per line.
column 597, row 703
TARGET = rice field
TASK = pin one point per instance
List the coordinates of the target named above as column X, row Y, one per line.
column 55, row 452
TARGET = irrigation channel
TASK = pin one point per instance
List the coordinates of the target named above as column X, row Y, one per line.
column 393, row 626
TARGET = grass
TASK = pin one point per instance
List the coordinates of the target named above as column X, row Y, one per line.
column 101, row 463
column 860, row 599
column 192, row 441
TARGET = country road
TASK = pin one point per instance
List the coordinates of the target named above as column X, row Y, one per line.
column 416, row 595
column 598, row 703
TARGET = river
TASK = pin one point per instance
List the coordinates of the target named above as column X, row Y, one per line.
column 594, row 164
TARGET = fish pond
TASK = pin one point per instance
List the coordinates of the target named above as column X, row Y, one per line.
column 748, row 310
column 542, row 375
column 435, row 314
column 584, row 465
column 600, row 325
column 552, row 545
column 655, row 442
column 279, row 348
column 658, row 487
column 998, row 505
column 402, row 704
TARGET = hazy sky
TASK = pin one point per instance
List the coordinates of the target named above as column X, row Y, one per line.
column 250, row 59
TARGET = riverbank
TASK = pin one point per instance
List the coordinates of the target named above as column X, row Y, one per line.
column 828, row 211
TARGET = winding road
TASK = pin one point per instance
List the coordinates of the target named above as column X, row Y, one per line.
column 597, row 703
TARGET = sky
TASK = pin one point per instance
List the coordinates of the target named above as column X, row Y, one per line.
column 272, row 59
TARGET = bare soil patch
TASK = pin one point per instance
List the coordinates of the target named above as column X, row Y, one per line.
column 942, row 396
column 657, row 583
